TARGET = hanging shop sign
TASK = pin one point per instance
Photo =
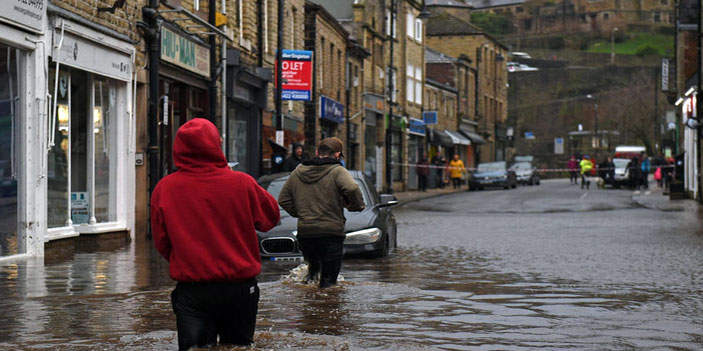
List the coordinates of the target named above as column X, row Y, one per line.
column 429, row 117
column 416, row 126
column 184, row 52
column 331, row 110
column 28, row 14
column 85, row 54
column 296, row 72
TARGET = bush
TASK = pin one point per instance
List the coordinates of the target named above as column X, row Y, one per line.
column 646, row 51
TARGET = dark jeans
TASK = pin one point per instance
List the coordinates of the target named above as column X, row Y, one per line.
column 574, row 177
column 422, row 182
column 645, row 180
column 206, row 310
column 324, row 256
column 440, row 180
column 456, row 182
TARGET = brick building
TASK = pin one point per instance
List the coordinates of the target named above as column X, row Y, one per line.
column 454, row 37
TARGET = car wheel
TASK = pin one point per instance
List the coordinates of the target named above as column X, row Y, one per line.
column 383, row 252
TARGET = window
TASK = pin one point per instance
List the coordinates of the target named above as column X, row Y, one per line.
column 409, row 25
column 10, row 149
column 266, row 26
column 81, row 159
column 410, row 87
column 394, row 87
column 320, row 62
column 390, row 22
column 196, row 5
column 418, row 30
column 413, row 91
column 418, row 85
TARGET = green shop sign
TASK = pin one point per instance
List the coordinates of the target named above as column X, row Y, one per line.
column 184, row 52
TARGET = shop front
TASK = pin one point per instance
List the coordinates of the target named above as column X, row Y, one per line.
column 468, row 129
column 184, row 72
column 90, row 175
column 331, row 116
column 23, row 93
column 246, row 98
column 440, row 146
column 416, row 149
column 461, row 145
column 374, row 107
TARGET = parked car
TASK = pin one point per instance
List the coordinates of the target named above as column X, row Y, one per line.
column 517, row 67
column 493, row 174
column 371, row 232
column 526, row 173
column 620, row 171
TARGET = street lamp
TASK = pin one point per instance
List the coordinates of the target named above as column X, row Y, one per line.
column 596, row 143
column 612, row 45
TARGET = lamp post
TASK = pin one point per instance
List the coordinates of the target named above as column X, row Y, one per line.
column 391, row 88
column 596, row 144
column 612, row 45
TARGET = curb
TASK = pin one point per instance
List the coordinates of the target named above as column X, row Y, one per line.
column 429, row 196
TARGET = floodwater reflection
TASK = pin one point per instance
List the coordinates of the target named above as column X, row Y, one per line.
column 417, row 299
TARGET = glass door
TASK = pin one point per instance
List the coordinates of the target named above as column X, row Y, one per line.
column 9, row 155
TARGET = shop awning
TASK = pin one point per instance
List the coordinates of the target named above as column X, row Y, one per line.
column 439, row 137
column 474, row 137
column 457, row 138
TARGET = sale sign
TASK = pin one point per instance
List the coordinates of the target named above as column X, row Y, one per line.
column 296, row 72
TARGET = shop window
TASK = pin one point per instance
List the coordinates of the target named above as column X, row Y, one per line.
column 82, row 149
column 10, row 98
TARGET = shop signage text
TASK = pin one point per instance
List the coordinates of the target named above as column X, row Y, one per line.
column 87, row 55
column 331, row 110
column 296, row 72
column 29, row 14
column 416, row 126
column 429, row 117
column 184, row 52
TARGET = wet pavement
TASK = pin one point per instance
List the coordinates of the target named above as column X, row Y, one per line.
column 548, row 267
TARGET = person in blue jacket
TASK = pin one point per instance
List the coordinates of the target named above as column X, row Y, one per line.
column 645, row 168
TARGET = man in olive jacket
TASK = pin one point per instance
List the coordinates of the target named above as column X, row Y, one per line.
column 316, row 193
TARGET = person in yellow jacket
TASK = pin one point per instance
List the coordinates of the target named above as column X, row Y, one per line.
column 586, row 167
column 456, row 169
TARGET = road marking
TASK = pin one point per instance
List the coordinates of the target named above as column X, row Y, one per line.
column 584, row 196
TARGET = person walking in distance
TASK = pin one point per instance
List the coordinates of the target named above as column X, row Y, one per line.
column 456, row 170
column 422, row 170
column 316, row 193
column 573, row 167
column 586, row 167
column 296, row 158
column 204, row 219
column 645, row 167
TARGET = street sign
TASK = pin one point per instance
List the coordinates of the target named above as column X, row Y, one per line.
column 296, row 72
column 665, row 74
column 280, row 137
column 559, row 146
column 529, row 135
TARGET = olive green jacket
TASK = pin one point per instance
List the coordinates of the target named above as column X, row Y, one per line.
column 316, row 193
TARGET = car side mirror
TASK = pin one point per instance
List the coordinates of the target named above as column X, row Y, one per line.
column 388, row 200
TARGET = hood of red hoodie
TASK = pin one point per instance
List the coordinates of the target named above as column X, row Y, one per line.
column 197, row 147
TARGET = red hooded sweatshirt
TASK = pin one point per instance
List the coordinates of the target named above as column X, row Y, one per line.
column 204, row 216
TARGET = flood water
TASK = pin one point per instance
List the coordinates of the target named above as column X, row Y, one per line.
column 626, row 279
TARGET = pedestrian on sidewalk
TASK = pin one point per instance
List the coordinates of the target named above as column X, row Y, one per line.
column 573, row 167
column 645, row 167
column 296, row 158
column 456, row 171
column 316, row 193
column 422, row 170
column 586, row 167
column 204, row 219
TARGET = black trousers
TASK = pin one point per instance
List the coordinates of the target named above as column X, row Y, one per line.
column 456, row 182
column 205, row 311
column 574, row 178
column 422, row 182
column 324, row 256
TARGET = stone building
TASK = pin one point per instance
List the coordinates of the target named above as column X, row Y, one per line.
column 454, row 37
column 327, row 39
column 68, row 125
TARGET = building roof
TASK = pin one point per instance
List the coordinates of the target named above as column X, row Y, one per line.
column 446, row 24
column 482, row 4
column 433, row 56
column 340, row 10
column 447, row 3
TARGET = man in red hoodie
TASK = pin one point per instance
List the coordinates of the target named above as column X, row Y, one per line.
column 204, row 219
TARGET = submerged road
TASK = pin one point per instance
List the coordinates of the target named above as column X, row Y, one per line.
column 548, row 267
